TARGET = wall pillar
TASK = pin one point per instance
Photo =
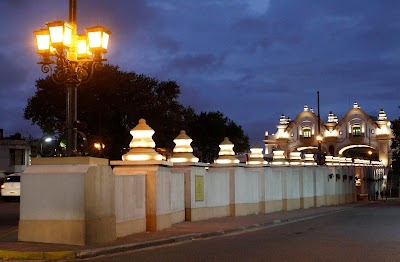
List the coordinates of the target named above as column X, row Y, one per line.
column 67, row 201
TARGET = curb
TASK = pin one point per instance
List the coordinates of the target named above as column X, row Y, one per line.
column 66, row 255
column 89, row 253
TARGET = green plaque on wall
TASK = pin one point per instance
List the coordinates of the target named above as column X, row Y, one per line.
column 199, row 188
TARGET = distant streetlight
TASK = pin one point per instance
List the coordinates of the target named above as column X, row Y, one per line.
column 71, row 59
column 99, row 146
column 319, row 136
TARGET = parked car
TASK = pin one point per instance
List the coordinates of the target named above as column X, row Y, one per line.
column 11, row 187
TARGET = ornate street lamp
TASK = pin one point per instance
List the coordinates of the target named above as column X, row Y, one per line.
column 71, row 59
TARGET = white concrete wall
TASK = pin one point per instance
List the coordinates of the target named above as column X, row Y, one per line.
column 163, row 186
column 56, row 193
column 217, row 187
column 291, row 188
column 244, row 196
column 273, row 189
column 252, row 186
column 177, row 192
column 154, row 197
column 307, row 188
column 321, row 180
column 130, row 204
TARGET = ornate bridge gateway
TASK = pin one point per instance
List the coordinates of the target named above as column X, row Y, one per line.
column 357, row 135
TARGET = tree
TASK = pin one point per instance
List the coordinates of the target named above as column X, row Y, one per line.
column 112, row 103
column 208, row 131
column 395, row 170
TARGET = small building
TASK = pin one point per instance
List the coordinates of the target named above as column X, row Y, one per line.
column 14, row 153
column 356, row 135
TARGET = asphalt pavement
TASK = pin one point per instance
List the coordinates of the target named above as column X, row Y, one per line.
column 10, row 248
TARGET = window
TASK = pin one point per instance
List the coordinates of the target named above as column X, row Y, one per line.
column 13, row 179
column 17, row 157
column 306, row 132
column 332, row 150
column 356, row 130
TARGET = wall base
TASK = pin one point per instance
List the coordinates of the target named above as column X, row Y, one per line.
column 69, row 232
column 131, row 227
column 319, row 201
column 290, row 204
column 246, row 209
column 177, row 217
column 307, row 202
column 273, row 206
column 203, row 213
column 158, row 222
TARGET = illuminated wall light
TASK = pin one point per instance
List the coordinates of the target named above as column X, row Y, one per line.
column 329, row 160
column 226, row 153
column 142, row 144
column 256, row 156
column 183, row 150
column 278, row 158
column 336, row 161
column 309, row 160
column 295, row 159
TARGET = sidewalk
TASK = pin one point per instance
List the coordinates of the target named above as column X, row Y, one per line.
column 10, row 248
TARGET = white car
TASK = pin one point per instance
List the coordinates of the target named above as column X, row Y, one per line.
column 11, row 187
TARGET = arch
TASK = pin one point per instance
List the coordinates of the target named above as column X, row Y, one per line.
column 306, row 148
column 340, row 152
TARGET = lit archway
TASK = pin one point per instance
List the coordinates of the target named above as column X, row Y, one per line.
column 354, row 146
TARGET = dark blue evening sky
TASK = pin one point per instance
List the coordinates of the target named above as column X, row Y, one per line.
column 253, row 60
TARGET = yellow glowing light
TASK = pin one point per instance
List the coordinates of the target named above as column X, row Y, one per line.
column 56, row 33
column 256, row 156
column 227, row 161
column 99, row 146
column 98, row 37
column 60, row 33
column 142, row 144
column 184, row 159
column 140, row 157
column 183, row 151
column 309, row 160
column 104, row 42
column 83, row 48
column 95, row 39
column 226, row 153
column 42, row 40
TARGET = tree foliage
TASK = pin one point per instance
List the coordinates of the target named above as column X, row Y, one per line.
column 208, row 131
column 396, row 146
column 113, row 102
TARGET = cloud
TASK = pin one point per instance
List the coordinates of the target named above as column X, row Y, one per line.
column 189, row 62
column 258, row 7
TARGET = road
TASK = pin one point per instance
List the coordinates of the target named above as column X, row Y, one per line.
column 9, row 216
column 367, row 233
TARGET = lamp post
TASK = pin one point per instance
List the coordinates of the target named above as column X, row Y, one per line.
column 319, row 136
column 71, row 59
